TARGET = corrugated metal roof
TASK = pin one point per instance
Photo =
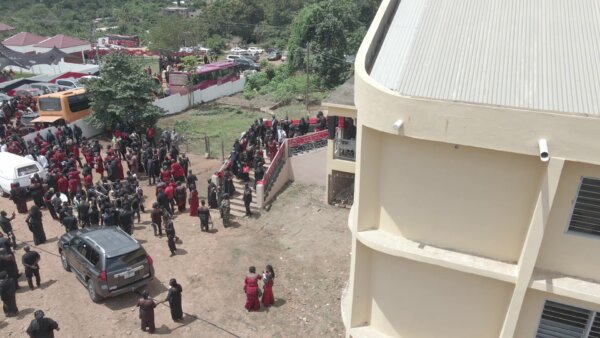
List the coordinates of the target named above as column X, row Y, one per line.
column 533, row 54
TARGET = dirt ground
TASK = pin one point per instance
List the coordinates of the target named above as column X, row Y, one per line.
column 307, row 241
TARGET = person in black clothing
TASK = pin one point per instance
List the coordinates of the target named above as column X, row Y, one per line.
column 94, row 214
column 7, row 294
column 69, row 221
column 204, row 215
column 48, row 202
column 78, row 133
column 174, row 299
column 247, row 199
column 170, row 230
column 34, row 222
column 35, row 190
column 42, row 327
column 163, row 201
column 108, row 218
column 30, row 261
column 156, row 216
column 8, row 263
column 83, row 212
column 184, row 162
column 126, row 220
column 191, row 181
column 7, row 226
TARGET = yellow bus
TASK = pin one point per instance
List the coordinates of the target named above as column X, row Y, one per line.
column 69, row 106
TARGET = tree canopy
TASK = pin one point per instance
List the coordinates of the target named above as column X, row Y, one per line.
column 123, row 94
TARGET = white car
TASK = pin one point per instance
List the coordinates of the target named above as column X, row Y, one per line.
column 232, row 57
column 256, row 50
column 15, row 168
column 237, row 50
column 67, row 84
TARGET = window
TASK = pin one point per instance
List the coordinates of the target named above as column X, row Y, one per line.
column 565, row 321
column 585, row 217
column 50, row 104
column 78, row 103
column 27, row 170
column 126, row 260
column 92, row 256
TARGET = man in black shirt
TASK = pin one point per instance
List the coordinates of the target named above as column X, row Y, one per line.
column 42, row 327
column 7, row 226
column 126, row 220
column 191, row 181
column 7, row 294
column 70, row 222
column 30, row 261
column 83, row 211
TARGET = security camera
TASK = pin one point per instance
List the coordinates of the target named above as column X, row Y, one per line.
column 544, row 154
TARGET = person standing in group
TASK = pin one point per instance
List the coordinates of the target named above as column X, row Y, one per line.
column 42, row 327
column 193, row 200
column 174, row 299
column 204, row 215
column 156, row 216
column 31, row 261
column 251, row 289
column 147, row 306
column 8, row 295
column 247, row 198
column 7, row 227
column 34, row 222
column 268, row 277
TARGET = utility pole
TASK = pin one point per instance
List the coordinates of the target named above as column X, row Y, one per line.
column 307, row 75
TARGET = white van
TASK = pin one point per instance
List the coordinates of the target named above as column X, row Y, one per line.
column 15, row 168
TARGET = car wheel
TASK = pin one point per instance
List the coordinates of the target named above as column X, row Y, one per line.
column 64, row 262
column 92, row 292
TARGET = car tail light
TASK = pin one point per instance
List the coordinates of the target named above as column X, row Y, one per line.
column 150, row 261
column 102, row 275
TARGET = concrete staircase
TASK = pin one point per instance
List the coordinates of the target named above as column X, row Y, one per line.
column 237, row 202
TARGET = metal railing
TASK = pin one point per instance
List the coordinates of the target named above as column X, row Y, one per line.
column 344, row 149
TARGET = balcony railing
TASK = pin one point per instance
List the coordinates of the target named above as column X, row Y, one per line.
column 344, row 149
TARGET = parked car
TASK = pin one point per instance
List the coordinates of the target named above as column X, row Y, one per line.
column 256, row 50
column 251, row 56
column 15, row 168
column 106, row 260
column 47, row 88
column 232, row 57
column 237, row 50
column 66, row 84
column 24, row 91
column 245, row 64
column 274, row 56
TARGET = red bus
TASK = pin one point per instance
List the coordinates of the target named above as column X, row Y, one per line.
column 210, row 75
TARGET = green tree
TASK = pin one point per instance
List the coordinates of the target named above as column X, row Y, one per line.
column 190, row 63
column 123, row 94
column 172, row 32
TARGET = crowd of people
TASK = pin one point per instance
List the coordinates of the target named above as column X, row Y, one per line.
column 88, row 185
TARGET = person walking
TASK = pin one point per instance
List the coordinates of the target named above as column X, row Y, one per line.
column 193, row 200
column 174, row 299
column 268, row 276
column 31, row 261
column 204, row 215
column 34, row 222
column 251, row 289
column 247, row 198
column 42, row 327
column 147, row 306
column 156, row 216
column 170, row 230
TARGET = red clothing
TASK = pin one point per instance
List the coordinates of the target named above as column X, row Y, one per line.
column 170, row 192
column 150, row 133
column 73, row 185
column 63, row 185
column 177, row 170
column 194, row 203
column 120, row 168
column 99, row 164
column 251, row 289
column 88, row 181
column 165, row 175
column 267, row 297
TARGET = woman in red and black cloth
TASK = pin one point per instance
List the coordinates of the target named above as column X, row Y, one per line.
column 251, row 289
column 268, row 276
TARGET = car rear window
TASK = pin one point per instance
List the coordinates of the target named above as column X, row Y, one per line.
column 126, row 260
column 27, row 170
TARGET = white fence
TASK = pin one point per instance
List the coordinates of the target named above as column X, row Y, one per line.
column 177, row 103
column 61, row 67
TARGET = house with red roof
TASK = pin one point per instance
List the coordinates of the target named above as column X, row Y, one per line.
column 23, row 42
column 70, row 45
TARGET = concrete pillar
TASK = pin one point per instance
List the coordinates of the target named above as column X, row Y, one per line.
column 260, row 195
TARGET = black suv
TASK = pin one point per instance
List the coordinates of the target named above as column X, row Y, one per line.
column 246, row 64
column 106, row 260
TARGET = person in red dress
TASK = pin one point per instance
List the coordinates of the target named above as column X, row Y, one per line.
column 165, row 174
column 99, row 164
column 193, row 202
column 268, row 277
column 120, row 168
column 251, row 289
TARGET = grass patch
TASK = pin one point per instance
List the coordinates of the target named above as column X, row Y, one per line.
column 216, row 122
column 21, row 75
column 145, row 61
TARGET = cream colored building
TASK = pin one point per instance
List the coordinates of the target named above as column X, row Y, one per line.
column 460, row 227
column 341, row 149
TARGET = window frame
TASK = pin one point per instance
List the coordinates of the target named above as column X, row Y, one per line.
column 572, row 209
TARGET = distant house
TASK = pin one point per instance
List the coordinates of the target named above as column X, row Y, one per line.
column 23, row 42
column 183, row 11
column 72, row 46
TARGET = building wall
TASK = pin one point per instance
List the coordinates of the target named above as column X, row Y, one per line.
column 570, row 253
column 446, row 195
column 410, row 299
